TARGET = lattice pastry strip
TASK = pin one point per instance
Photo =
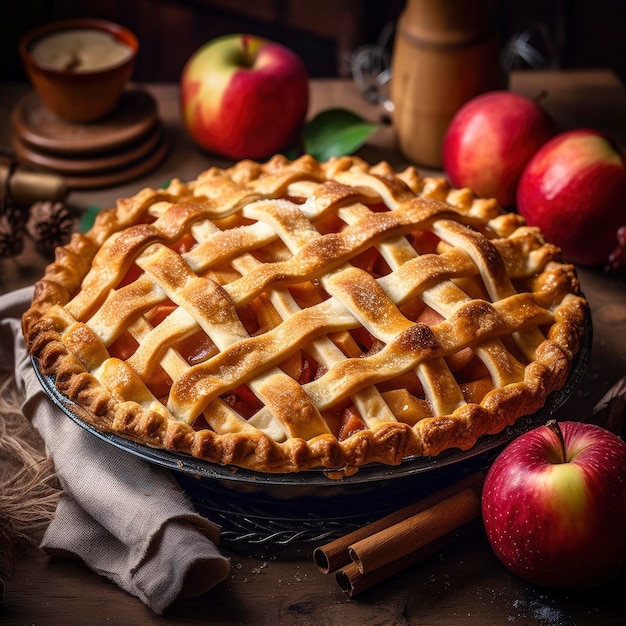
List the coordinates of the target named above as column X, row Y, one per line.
column 255, row 383
column 291, row 216
column 444, row 398
column 498, row 286
column 371, row 406
column 297, row 314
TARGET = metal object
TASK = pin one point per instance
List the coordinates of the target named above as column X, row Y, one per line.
column 371, row 70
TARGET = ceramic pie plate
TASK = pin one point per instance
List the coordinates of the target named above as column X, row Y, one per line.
column 308, row 508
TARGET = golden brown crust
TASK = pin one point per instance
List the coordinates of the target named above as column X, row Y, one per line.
column 189, row 318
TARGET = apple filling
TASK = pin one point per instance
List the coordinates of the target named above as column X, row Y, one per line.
column 405, row 395
column 292, row 315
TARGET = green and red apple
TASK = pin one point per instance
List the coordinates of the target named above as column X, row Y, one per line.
column 574, row 190
column 554, row 505
column 491, row 139
column 243, row 96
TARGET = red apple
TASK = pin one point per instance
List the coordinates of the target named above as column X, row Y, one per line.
column 244, row 97
column 574, row 190
column 554, row 505
column 489, row 141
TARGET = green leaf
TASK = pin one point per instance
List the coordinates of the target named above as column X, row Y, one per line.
column 336, row 132
column 89, row 217
column 292, row 152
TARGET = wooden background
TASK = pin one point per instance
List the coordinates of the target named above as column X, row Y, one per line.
column 583, row 33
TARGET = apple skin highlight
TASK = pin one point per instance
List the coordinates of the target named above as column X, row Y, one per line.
column 559, row 524
column 491, row 139
column 573, row 189
column 244, row 97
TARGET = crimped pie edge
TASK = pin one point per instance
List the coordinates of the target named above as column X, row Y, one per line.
column 388, row 444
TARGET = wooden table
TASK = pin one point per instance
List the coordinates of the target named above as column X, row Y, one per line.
column 461, row 584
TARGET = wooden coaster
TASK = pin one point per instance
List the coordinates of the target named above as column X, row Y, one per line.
column 89, row 164
column 108, row 177
column 123, row 175
column 126, row 144
column 43, row 131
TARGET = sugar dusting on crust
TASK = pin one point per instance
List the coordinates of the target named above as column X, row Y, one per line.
column 333, row 273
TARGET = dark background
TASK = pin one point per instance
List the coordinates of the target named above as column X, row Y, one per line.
column 569, row 33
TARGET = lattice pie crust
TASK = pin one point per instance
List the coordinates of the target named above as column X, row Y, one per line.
column 296, row 314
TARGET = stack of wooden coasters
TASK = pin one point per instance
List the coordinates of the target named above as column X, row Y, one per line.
column 126, row 144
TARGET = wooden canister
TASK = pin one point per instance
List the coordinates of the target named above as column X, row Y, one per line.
column 445, row 53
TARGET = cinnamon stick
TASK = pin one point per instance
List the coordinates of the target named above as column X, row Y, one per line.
column 352, row 581
column 395, row 542
column 334, row 554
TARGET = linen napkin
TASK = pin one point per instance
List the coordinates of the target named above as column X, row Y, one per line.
column 125, row 518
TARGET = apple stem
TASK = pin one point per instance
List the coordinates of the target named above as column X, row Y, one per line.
column 553, row 425
column 245, row 42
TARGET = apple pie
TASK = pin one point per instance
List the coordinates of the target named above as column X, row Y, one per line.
column 293, row 315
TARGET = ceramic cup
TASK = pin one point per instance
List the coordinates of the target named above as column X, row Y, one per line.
column 79, row 67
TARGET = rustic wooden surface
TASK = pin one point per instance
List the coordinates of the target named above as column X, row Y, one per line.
column 461, row 584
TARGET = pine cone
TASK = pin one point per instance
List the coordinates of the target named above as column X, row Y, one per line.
column 49, row 225
column 11, row 234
